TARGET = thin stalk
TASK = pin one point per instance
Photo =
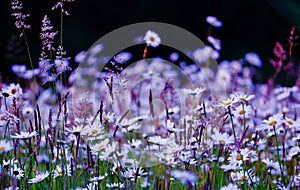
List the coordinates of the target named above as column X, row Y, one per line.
column 278, row 155
column 232, row 125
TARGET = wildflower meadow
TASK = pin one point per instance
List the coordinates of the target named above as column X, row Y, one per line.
column 147, row 106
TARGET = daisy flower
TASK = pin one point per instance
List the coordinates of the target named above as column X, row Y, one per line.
column 237, row 158
column 253, row 59
column 13, row 90
column 122, row 57
column 230, row 167
column 115, row 185
column 228, row 102
column 5, row 146
column 187, row 159
column 24, row 135
column 213, row 21
column 243, row 97
column 98, row 178
column 222, row 138
column 10, row 162
column 94, row 130
column 275, row 119
column 171, row 127
column 174, row 56
column 173, row 148
column 152, row 38
column 157, row 140
column 59, row 172
column 242, row 175
column 3, row 119
column 108, row 117
column 230, row 186
column 39, row 177
column 215, row 42
column 135, row 143
column 202, row 55
column 291, row 123
column 132, row 173
column 174, row 110
column 194, row 92
column 184, row 176
column 99, row 146
column 109, row 150
column 242, row 111
column 79, row 57
column 271, row 164
column 75, row 130
column 16, row 172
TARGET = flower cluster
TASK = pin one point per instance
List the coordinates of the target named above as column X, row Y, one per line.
column 143, row 126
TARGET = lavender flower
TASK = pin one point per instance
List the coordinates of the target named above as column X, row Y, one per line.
column 17, row 7
column 46, row 35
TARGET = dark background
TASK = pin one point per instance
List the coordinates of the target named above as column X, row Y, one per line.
column 248, row 26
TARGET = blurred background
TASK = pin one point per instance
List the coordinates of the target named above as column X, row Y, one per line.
column 248, row 26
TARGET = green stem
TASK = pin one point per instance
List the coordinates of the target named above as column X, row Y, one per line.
column 232, row 125
column 278, row 155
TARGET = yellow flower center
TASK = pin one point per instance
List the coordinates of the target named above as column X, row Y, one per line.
column 242, row 112
column 273, row 122
column 60, row 171
column 39, row 178
column 221, row 141
column 106, row 118
column 290, row 122
column 2, row 148
column 243, row 99
column 173, row 150
column 244, row 177
column 2, row 118
column 94, row 131
column 239, row 157
column 227, row 103
column 100, row 147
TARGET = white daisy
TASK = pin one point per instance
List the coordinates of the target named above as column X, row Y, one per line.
column 230, row 186
column 98, row 178
column 274, row 120
column 212, row 20
column 99, row 146
column 115, row 185
column 13, row 90
column 16, row 172
column 193, row 92
column 132, row 173
column 215, row 42
column 243, row 97
column 228, row 102
column 222, row 138
column 242, row 111
column 5, row 146
column 202, row 55
column 171, row 127
column 253, row 59
column 184, row 176
column 59, row 171
column 39, row 177
column 152, row 38
column 24, row 135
